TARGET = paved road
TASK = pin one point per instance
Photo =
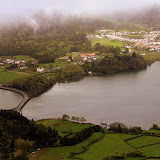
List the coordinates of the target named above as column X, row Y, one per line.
column 23, row 102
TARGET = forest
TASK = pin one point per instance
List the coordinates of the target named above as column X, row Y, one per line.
column 116, row 64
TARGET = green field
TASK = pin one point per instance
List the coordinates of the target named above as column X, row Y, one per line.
column 8, row 76
column 143, row 141
column 153, row 131
column 64, row 127
column 58, row 63
column 109, row 145
column 152, row 57
column 106, row 42
column 23, row 57
column 151, row 151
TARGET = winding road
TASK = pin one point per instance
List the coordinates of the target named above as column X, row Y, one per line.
column 23, row 102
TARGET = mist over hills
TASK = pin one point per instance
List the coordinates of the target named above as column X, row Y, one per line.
column 149, row 16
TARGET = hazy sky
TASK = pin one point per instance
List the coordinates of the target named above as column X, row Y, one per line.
column 20, row 7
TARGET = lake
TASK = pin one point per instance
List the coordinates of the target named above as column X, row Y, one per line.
column 131, row 98
column 9, row 100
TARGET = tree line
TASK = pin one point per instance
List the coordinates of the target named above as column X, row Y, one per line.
column 113, row 64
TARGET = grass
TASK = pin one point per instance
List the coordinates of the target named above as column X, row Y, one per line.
column 64, row 126
column 23, row 57
column 107, row 42
column 58, row 63
column 58, row 153
column 152, row 57
column 153, row 131
column 74, row 54
column 109, row 145
column 151, row 151
column 8, row 76
column 143, row 141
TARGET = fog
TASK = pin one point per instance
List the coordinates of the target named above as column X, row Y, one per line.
column 27, row 7
column 13, row 11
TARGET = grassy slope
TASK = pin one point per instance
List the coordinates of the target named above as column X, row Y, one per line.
column 152, row 57
column 64, row 126
column 57, row 153
column 153, row 131
column 110, row 144
column 143, row 141
column 151, row 151
column 8, row 76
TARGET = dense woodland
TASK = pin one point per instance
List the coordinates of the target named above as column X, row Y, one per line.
column 116, row 64
column 20, row 135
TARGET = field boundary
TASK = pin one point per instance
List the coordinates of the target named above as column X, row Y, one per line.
column 85, row 148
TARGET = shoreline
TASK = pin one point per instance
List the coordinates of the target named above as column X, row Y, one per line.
column 25, row 99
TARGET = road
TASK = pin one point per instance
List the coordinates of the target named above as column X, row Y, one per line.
column 25, row 96
column 19, row 107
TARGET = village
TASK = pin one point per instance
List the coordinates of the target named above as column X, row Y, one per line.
column 149, row 40
column 31, row 65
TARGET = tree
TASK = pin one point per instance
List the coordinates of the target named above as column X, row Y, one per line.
column 155, row 126
column 73, row 118
column 77, row 119
column 134, row 55
column 82, row 119
column 65, row 117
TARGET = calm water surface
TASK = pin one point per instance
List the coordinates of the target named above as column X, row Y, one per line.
column 130, row 98
column 9, row 100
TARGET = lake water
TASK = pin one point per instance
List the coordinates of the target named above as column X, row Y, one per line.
column 9, row 100
column 131, row 98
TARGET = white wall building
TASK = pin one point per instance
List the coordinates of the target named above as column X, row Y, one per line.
column 40, row 69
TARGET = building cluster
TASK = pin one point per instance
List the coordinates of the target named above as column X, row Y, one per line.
column 21, row 64
column 87, row 57
column 146, row 39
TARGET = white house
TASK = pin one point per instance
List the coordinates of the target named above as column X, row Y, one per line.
column 40, row 69
column 23, row 67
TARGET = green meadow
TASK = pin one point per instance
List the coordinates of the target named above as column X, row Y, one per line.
column 8, row 76
column 106, row 42
column 58, row 63
column 64, row 127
